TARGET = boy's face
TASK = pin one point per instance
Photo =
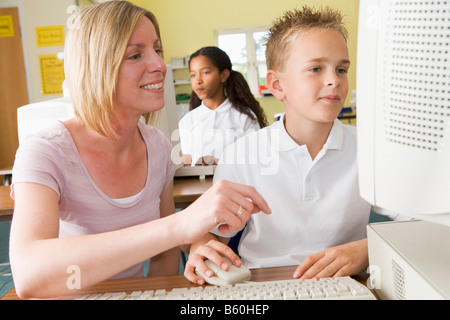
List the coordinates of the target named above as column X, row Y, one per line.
column 314, row 84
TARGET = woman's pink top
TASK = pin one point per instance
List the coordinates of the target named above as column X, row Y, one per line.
column 51, row 158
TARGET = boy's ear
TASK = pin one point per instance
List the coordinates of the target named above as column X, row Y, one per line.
column 274, row 85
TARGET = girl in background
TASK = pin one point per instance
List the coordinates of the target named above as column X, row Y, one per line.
column 222, row 108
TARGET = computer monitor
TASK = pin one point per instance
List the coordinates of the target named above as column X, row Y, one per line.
column 403, row 124
column 403, row 106
column 34, row 117
column 168, row 120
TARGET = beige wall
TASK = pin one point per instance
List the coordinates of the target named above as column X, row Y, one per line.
column 39, row 13
column 187, row 25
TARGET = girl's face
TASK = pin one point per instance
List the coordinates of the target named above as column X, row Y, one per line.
column 140, row 85
column 207, row 82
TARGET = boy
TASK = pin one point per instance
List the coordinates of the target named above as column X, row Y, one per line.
column 318, row 218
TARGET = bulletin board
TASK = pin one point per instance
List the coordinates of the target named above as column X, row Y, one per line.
column 52, row 74
column 6, row 26
column 50, row 36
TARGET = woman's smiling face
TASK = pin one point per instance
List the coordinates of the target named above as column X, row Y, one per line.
column 140, row 84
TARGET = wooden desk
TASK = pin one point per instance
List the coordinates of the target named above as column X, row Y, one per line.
column 349, row 116
column 167, row 283
column 6, row 204
column 186, row 190
column 6, row 173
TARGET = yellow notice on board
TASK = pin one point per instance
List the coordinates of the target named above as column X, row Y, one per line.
column 50, row 36
column 6, row 26
column 52, row 74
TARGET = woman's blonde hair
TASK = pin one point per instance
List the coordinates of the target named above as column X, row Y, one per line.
column 292, row 24
column 94, row 50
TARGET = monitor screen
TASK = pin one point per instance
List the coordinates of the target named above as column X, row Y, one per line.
column 403, row 106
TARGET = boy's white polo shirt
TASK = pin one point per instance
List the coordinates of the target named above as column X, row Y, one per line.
column 206, row 132
column 315, row 204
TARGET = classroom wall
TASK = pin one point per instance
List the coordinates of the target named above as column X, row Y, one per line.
column 39, row 13
column 187, row 25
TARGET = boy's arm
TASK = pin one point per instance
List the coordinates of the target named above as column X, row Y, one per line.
column 213, row 248
column 344, row 260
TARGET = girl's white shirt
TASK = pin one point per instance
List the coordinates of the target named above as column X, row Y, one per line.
column 206, row 132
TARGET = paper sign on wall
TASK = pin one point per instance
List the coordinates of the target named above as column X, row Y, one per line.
column 50, row 36
column 6, row 26
column 52, row 74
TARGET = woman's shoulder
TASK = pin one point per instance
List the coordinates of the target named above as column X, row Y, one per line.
column 53, row 135
column 149, row 129
column 44, row 157
column 152, row 134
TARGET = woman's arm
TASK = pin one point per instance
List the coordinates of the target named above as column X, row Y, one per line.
column 168, row 262
column 43, row 264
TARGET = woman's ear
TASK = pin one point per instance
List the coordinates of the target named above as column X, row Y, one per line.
column 274, row 85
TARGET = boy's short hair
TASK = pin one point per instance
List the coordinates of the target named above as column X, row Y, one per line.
column 94, row 50
column 287, row 28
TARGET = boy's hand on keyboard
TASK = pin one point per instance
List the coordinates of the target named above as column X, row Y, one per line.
column 344, row 260
column 215, row 251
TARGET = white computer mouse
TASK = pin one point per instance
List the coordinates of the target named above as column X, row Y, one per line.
column 222, row 278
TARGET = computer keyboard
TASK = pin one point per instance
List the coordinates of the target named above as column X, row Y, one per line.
column 341, row 288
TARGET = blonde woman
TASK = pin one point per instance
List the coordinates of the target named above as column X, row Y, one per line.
column 93, row 195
